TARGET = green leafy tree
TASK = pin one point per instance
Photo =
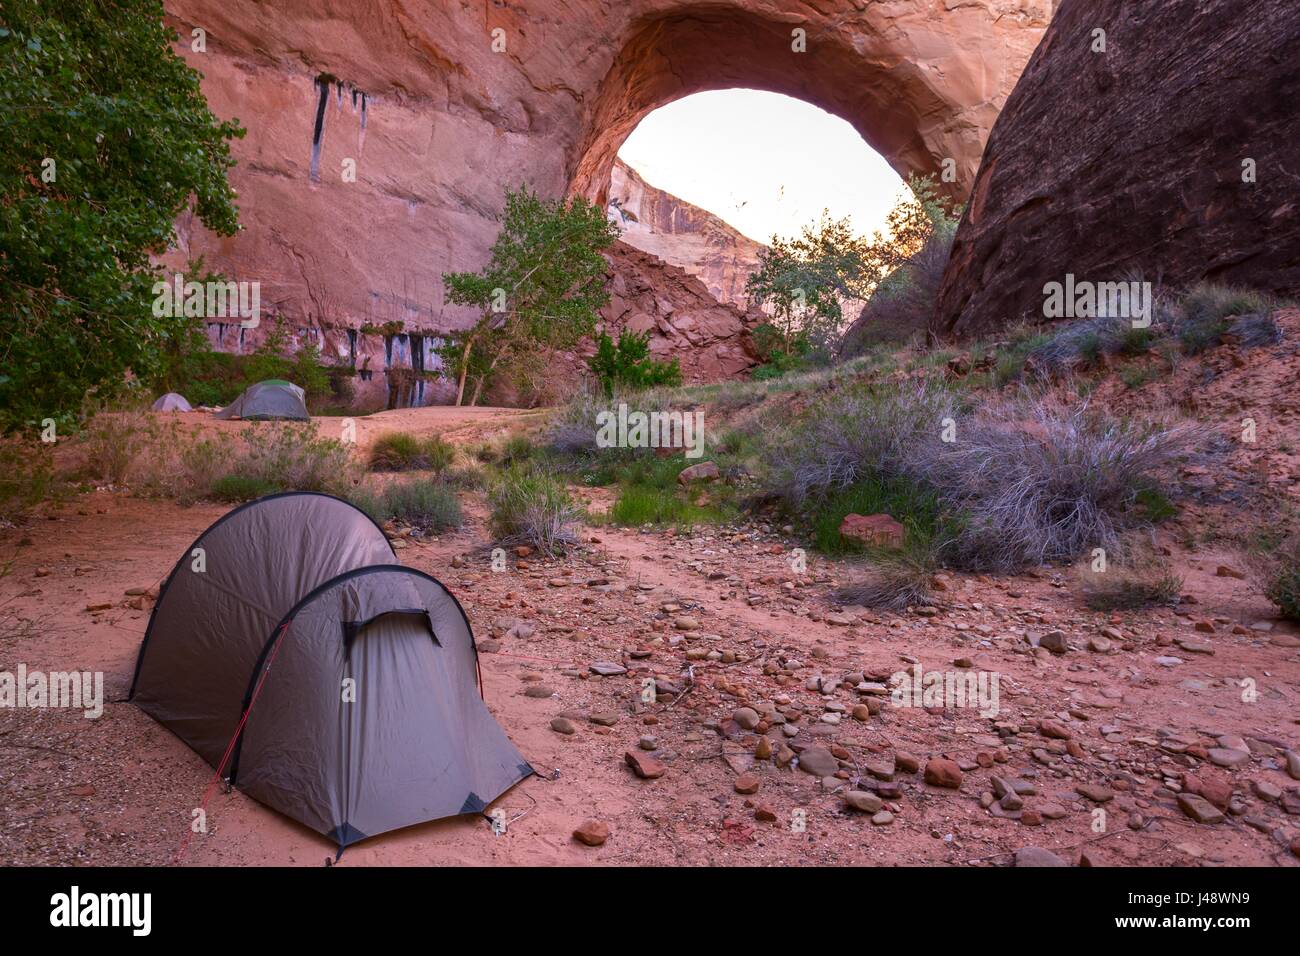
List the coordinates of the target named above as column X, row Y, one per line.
column 541, row 290
column 105, row 138
column 804, row 281
column 626, row 363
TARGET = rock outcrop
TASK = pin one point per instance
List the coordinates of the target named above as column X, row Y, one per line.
column 382, row 133
column 683, row 235
column 1169, row 151
column 710, row 339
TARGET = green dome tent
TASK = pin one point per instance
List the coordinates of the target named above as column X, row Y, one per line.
column 272, row 399
column 371, row 718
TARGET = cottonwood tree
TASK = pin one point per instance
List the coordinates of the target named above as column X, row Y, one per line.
column 105, row 137
column 541, row 290
column 804, row 281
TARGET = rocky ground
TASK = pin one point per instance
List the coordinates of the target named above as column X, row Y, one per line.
column 768, row 736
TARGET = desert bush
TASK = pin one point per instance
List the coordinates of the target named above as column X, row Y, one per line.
column 295, row 457
column 242, row 488
column 626, row 363
column 1206, row 307
column 402, row 451
column 530, row 507
column 27, row 477
column 1278, row 569
column 856, row 433
column 1255, row 331
column 111, row 442
column 426, row 504
column 1035, row 481
column 1021, row 483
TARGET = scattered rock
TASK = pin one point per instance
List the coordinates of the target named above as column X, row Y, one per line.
column 941, row 772
column 592, row 833
column 1199, row 809
column 645, row 766
column 1037, row 856
column 563, row 725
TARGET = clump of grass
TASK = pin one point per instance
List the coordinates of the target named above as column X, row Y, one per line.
column 1135, row 376
column 1141, row 579
column 895, row 579
column 428, row 505
column 530, row 507
column 1206, row 308
column 112, row 441
column 242, row 488
column 1277, row 564
column 402, row 451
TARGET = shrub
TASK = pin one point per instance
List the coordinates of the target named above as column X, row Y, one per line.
column 402, row 451
column 1206, row 307
column 426, row 504
column 1037, row 482
column 1021, row 483
column 27, row 476
column 111, row 442
column 294, row 457
column 532, row 508
column 626, row 363
column 242, row 488
column 1127, row 589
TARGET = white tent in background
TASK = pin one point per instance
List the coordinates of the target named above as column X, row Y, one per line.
column 172, row 402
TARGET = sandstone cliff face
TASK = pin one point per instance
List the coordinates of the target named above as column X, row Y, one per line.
column 683, row 235
column 1136, row 159
column 382, row 133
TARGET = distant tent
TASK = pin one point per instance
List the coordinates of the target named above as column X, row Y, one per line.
column 273, row 398
column 318, row 677
column 172, row 402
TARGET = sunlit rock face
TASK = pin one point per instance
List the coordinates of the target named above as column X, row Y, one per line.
column 683, row 235
column 383, row 133
column 1170, row 155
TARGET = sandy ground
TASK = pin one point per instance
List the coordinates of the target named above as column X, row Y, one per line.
column 120, row 789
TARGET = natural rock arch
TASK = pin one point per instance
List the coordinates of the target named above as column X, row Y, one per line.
column 914, row 111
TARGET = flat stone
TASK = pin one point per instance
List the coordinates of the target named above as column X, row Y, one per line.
column 1227, row 757
column 1037, row 856
column 539, row 691
column 608, row 669
column 863, row 801
column 747, row 783
column 645, row 766
column 819, row 762
column 563, row 725
column 1199, row 809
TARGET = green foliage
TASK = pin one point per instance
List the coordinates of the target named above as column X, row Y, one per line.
column 429, row 505
column 541, row 290
column 96, row 89
column 626, row 363
column 1284, row 591
column 402, row 451
column 805, row 280
column 27, row 476
column 243, row 488
column 910, row 503
column 640, row 505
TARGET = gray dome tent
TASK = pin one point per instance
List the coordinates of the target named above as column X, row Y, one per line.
column 306, row 582
column 273, row 398
column 172, row 402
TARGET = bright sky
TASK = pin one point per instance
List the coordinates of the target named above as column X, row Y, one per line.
column 764, row 162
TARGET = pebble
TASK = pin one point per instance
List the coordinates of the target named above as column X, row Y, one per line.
column 563, row 725
column 1199, row 809
column 747, row 783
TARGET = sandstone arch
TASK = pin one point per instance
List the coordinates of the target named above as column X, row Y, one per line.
column 917, row 90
